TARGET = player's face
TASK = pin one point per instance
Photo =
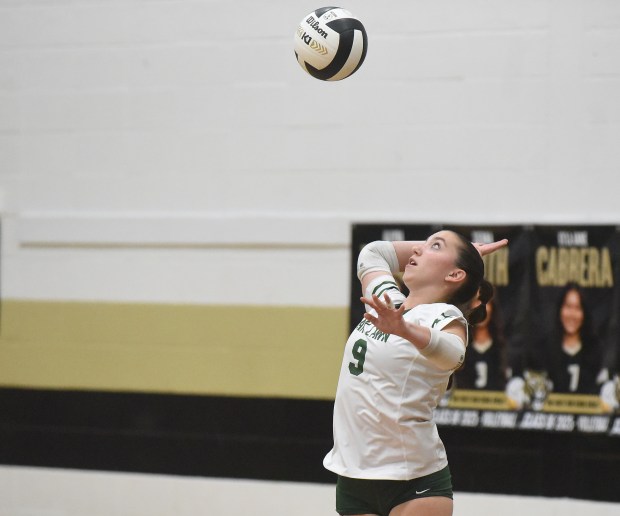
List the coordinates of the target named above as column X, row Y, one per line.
column 571, row 313
column 433, row 260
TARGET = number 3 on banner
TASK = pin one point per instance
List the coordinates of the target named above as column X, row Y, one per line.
column 359, row 354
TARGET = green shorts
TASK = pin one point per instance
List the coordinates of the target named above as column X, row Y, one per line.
column 359, row 496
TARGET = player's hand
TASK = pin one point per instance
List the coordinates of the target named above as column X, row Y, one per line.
column 485, row 249
column 388, row 319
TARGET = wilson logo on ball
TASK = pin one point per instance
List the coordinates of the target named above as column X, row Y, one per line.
column 316, row 26
column 343, row 45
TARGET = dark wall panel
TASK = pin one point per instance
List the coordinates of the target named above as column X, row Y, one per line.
column 274, row 439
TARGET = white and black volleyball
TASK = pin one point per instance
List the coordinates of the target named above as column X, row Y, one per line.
column 330, row 43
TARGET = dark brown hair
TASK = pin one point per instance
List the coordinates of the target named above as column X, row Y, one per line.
column 474, row 286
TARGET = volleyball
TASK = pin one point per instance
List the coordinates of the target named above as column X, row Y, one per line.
column 330, row 43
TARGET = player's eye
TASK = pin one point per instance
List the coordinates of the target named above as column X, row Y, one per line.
column 435, row 245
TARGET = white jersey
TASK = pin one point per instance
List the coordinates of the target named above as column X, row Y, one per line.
column 386, row 396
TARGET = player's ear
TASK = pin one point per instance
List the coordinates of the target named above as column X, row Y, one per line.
column 456, row 275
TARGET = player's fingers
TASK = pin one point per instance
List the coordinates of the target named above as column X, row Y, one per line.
column 374, row 303
column 489, row 248
column 381, row 305
column 370, row 318
column 367, row 301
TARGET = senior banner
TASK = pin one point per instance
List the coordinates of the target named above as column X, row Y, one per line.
column 546, row 357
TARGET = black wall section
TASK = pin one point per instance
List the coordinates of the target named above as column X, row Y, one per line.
column 275, row 439
column 534, row 463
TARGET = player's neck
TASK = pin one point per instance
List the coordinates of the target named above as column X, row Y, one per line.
column 425, row 295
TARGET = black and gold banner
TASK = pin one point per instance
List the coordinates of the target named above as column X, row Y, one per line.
column 547, row 356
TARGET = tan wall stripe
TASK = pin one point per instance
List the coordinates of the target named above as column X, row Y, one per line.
column 213, row 350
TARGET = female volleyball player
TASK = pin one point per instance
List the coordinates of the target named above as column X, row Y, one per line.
column 387, row 453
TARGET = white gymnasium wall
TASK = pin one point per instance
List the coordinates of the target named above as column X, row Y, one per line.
column 172, row 150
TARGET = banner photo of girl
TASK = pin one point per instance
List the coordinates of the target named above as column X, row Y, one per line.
column 547, row 355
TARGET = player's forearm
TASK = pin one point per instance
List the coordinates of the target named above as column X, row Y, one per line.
column 418, row 335
column 444, row 349
column 377, row 256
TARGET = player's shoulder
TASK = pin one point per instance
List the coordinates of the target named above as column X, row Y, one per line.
column 438, row 309
column 436, row 314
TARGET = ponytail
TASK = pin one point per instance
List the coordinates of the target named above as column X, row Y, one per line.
column 479, row 312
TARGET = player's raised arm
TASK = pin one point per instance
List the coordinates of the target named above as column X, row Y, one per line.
column 376, row 259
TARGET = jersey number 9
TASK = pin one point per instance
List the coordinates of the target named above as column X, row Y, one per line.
column 359, row 354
